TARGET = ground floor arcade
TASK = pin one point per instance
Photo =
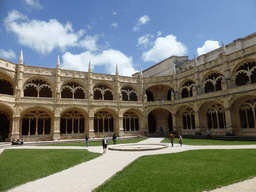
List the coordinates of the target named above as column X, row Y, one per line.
column 41, row 123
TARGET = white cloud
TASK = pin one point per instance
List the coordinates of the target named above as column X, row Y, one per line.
column 7, row 54
column 145, row 40
column 33, row 4
column 208, row 46
column 143, row 20
column 42, row 36
column 14, row 16
column 108, row 58
column 114, row 25
column 89, row 43
column 159, row 33
column 163, row 48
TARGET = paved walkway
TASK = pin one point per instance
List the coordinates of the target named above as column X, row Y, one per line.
column 89, row 175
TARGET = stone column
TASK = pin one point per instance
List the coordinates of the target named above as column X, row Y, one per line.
column 174, row 122
column 120, row 128
column 15, row 132
column 56, row 128
column 197, row 121
column 229, row 127
column 90, row 93
column 91, row 127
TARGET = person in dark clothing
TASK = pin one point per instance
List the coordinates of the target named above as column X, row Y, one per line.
column 114, row 139
column 87, row 140
column 104, row 144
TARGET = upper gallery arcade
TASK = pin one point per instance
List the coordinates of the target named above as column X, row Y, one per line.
column 216, row 90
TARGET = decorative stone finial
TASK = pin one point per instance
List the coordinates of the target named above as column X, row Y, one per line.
column 174, row 69
column 117, row 73
column 141, row 74
column 224, row 50
column 21, row 58
column 89, row 68
column 58, row 62
column 196, row 63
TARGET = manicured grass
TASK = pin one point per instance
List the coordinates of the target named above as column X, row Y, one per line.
column 186, row 141
column 99, row 143
column 186, row 171
column 18, row 166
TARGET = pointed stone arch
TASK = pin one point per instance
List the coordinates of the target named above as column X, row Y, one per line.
column 160, row 121
column 103, row 91
column 38, row 87
column 212, row 82
column 129, row 93
column 6, row 116
column 6, row 84
column 186, row 88
column 73, row 89
column 244, row 73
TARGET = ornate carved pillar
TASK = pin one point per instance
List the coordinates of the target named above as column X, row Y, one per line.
column 118, row 88
column 172, row 95
column 91, row 127
column 120, row 128
column 57, row 81
column 140, row 93
column 19, row 83
column 15, row 132
column 197, row 121
column 174, row 122
column 56, row 128
column 90, row 93
column 229, row 127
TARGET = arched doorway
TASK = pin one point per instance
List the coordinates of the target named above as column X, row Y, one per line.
column 151, row 123
column 160, row 121
column 4, row 126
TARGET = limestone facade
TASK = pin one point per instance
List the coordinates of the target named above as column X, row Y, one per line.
column 216, row 90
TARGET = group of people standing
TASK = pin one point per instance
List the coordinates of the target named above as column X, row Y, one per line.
column 104, row 142
column 172, row 137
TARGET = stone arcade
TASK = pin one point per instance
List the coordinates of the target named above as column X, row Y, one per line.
column 216, row 90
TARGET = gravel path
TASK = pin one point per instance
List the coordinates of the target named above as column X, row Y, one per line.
column 89, row 175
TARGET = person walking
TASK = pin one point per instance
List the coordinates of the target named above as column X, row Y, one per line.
column 104, row 144
column 114, row 139
column 171, row 137
column 180, row 140
column 87, row 140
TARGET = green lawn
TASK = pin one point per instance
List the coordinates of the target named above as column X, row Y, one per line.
column 209, row 142
column 99, row 143
column 186, row 171
column 18, row 166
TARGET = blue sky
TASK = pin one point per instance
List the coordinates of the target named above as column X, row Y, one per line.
column 128, row 33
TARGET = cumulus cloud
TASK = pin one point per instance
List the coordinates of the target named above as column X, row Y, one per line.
column 108, row 58
column 208, row 46
column 43, row 36
column 145, row 40
column 33, row 4
column 114, row 25
column 143, row 20
column 163, row 48
column 7, row 54
column 89, row 43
